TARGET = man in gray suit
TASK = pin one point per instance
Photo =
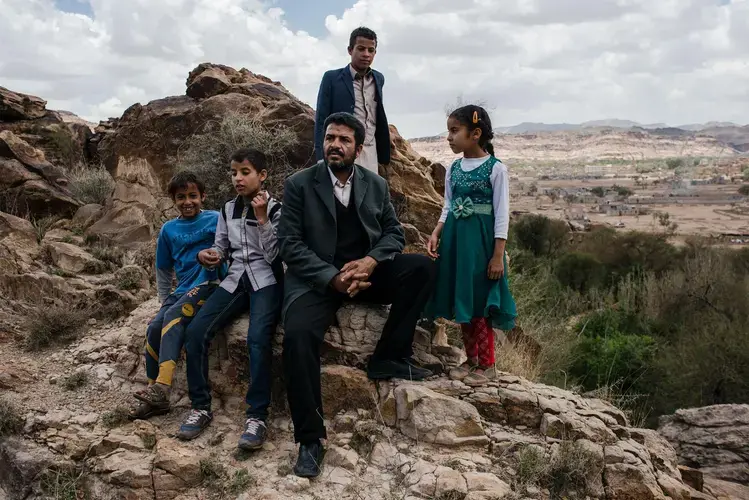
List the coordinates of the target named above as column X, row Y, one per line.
column 341, row 241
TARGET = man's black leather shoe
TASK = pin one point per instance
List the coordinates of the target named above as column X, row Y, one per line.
column 387, row 369
column 309, row 462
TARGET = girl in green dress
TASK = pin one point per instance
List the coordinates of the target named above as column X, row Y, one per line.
column 469, row 244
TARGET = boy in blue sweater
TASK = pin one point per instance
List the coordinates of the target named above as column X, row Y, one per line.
column 177, row 248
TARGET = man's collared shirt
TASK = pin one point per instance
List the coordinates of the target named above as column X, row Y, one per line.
column 342, row 191
column 365, row 109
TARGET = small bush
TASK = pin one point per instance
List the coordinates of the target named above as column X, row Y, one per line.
column 540, row 235
column 63, row 484
column 62, row 140
column 208, row 154
column 62, row 273
column 11, row 421
column 569, row 468
column 598, row 191
column 128, row 278
column 42, row 225
column 622, row 191
column 744, row 190
column 90, row 184
column 210, row 469
column 54, row 325
column 674, row 163
column 240, row 482
column 531, row 466
column 108, row 253
column 149, row 441
column 75, row 381
column 115, row 418
column 580, row 271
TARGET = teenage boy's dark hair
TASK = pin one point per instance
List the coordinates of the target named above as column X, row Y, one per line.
column 349, row 120
column 465, row 116
column 361, row 32
column 256, row 158
column 181, row 180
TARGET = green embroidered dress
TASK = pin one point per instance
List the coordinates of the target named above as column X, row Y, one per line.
column 463, row 289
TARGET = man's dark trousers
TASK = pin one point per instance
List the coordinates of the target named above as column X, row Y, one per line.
column 405, row 282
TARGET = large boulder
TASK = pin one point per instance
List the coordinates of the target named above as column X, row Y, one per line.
column 30, row 185
column 60, row 135
column 713, row 439
column 18, row 244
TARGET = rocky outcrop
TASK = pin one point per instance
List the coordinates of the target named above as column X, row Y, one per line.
column 61, row 136
column 712, row 439
column 141, row 149
column 433, row 439
column 29, row 184
column 17, row 106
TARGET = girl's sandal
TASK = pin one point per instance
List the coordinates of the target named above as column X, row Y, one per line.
column 143, row 411
column 154, row 397
column 480, row 376
column 461, row 372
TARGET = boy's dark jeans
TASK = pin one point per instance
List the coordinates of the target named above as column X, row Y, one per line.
column 264, row 308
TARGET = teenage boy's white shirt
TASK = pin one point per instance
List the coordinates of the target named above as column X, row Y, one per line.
column 500, row 193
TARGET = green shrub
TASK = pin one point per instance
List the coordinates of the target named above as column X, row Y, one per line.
column 674, row 163
column 744, row 190
column 540, row 235
column 11, row 421
column 75, row 381
column 580, row 271
column 208, row 154
column 598, row 191
column 613, row 349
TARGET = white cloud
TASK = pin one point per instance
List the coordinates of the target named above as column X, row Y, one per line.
column 677, row 61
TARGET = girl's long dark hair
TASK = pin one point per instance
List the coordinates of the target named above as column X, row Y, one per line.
column 474, row 117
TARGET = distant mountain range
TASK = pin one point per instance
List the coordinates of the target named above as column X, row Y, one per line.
column 532, row 127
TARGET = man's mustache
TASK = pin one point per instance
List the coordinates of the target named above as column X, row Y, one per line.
column 335, row 150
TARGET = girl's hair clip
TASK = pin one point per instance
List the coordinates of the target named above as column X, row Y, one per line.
column 475, row 117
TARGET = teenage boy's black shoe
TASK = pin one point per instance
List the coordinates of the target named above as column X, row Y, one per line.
column 387, row 369
column 309, row 462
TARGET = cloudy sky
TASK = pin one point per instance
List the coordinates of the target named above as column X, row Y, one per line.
column 674, row 61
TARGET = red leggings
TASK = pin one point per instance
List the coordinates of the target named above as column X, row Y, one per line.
column 478, row 339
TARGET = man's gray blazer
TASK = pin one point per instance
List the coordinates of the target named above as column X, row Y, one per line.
column 307, row 232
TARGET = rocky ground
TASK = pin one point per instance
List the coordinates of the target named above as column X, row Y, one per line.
column 434, row 439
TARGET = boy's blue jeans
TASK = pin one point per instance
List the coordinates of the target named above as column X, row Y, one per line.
column 166, row 332
column 264, row 308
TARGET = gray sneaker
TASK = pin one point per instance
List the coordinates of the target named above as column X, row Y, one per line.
column 195, row 423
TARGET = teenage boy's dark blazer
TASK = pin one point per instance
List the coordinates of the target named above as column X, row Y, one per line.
column 336, row 94
column 307, row 232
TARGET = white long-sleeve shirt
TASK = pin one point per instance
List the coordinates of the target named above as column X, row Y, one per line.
column 500, row 193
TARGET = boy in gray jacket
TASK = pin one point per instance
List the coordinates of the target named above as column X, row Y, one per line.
column 246, row 237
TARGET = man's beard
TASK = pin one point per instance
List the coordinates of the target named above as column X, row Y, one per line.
column 346, row 164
